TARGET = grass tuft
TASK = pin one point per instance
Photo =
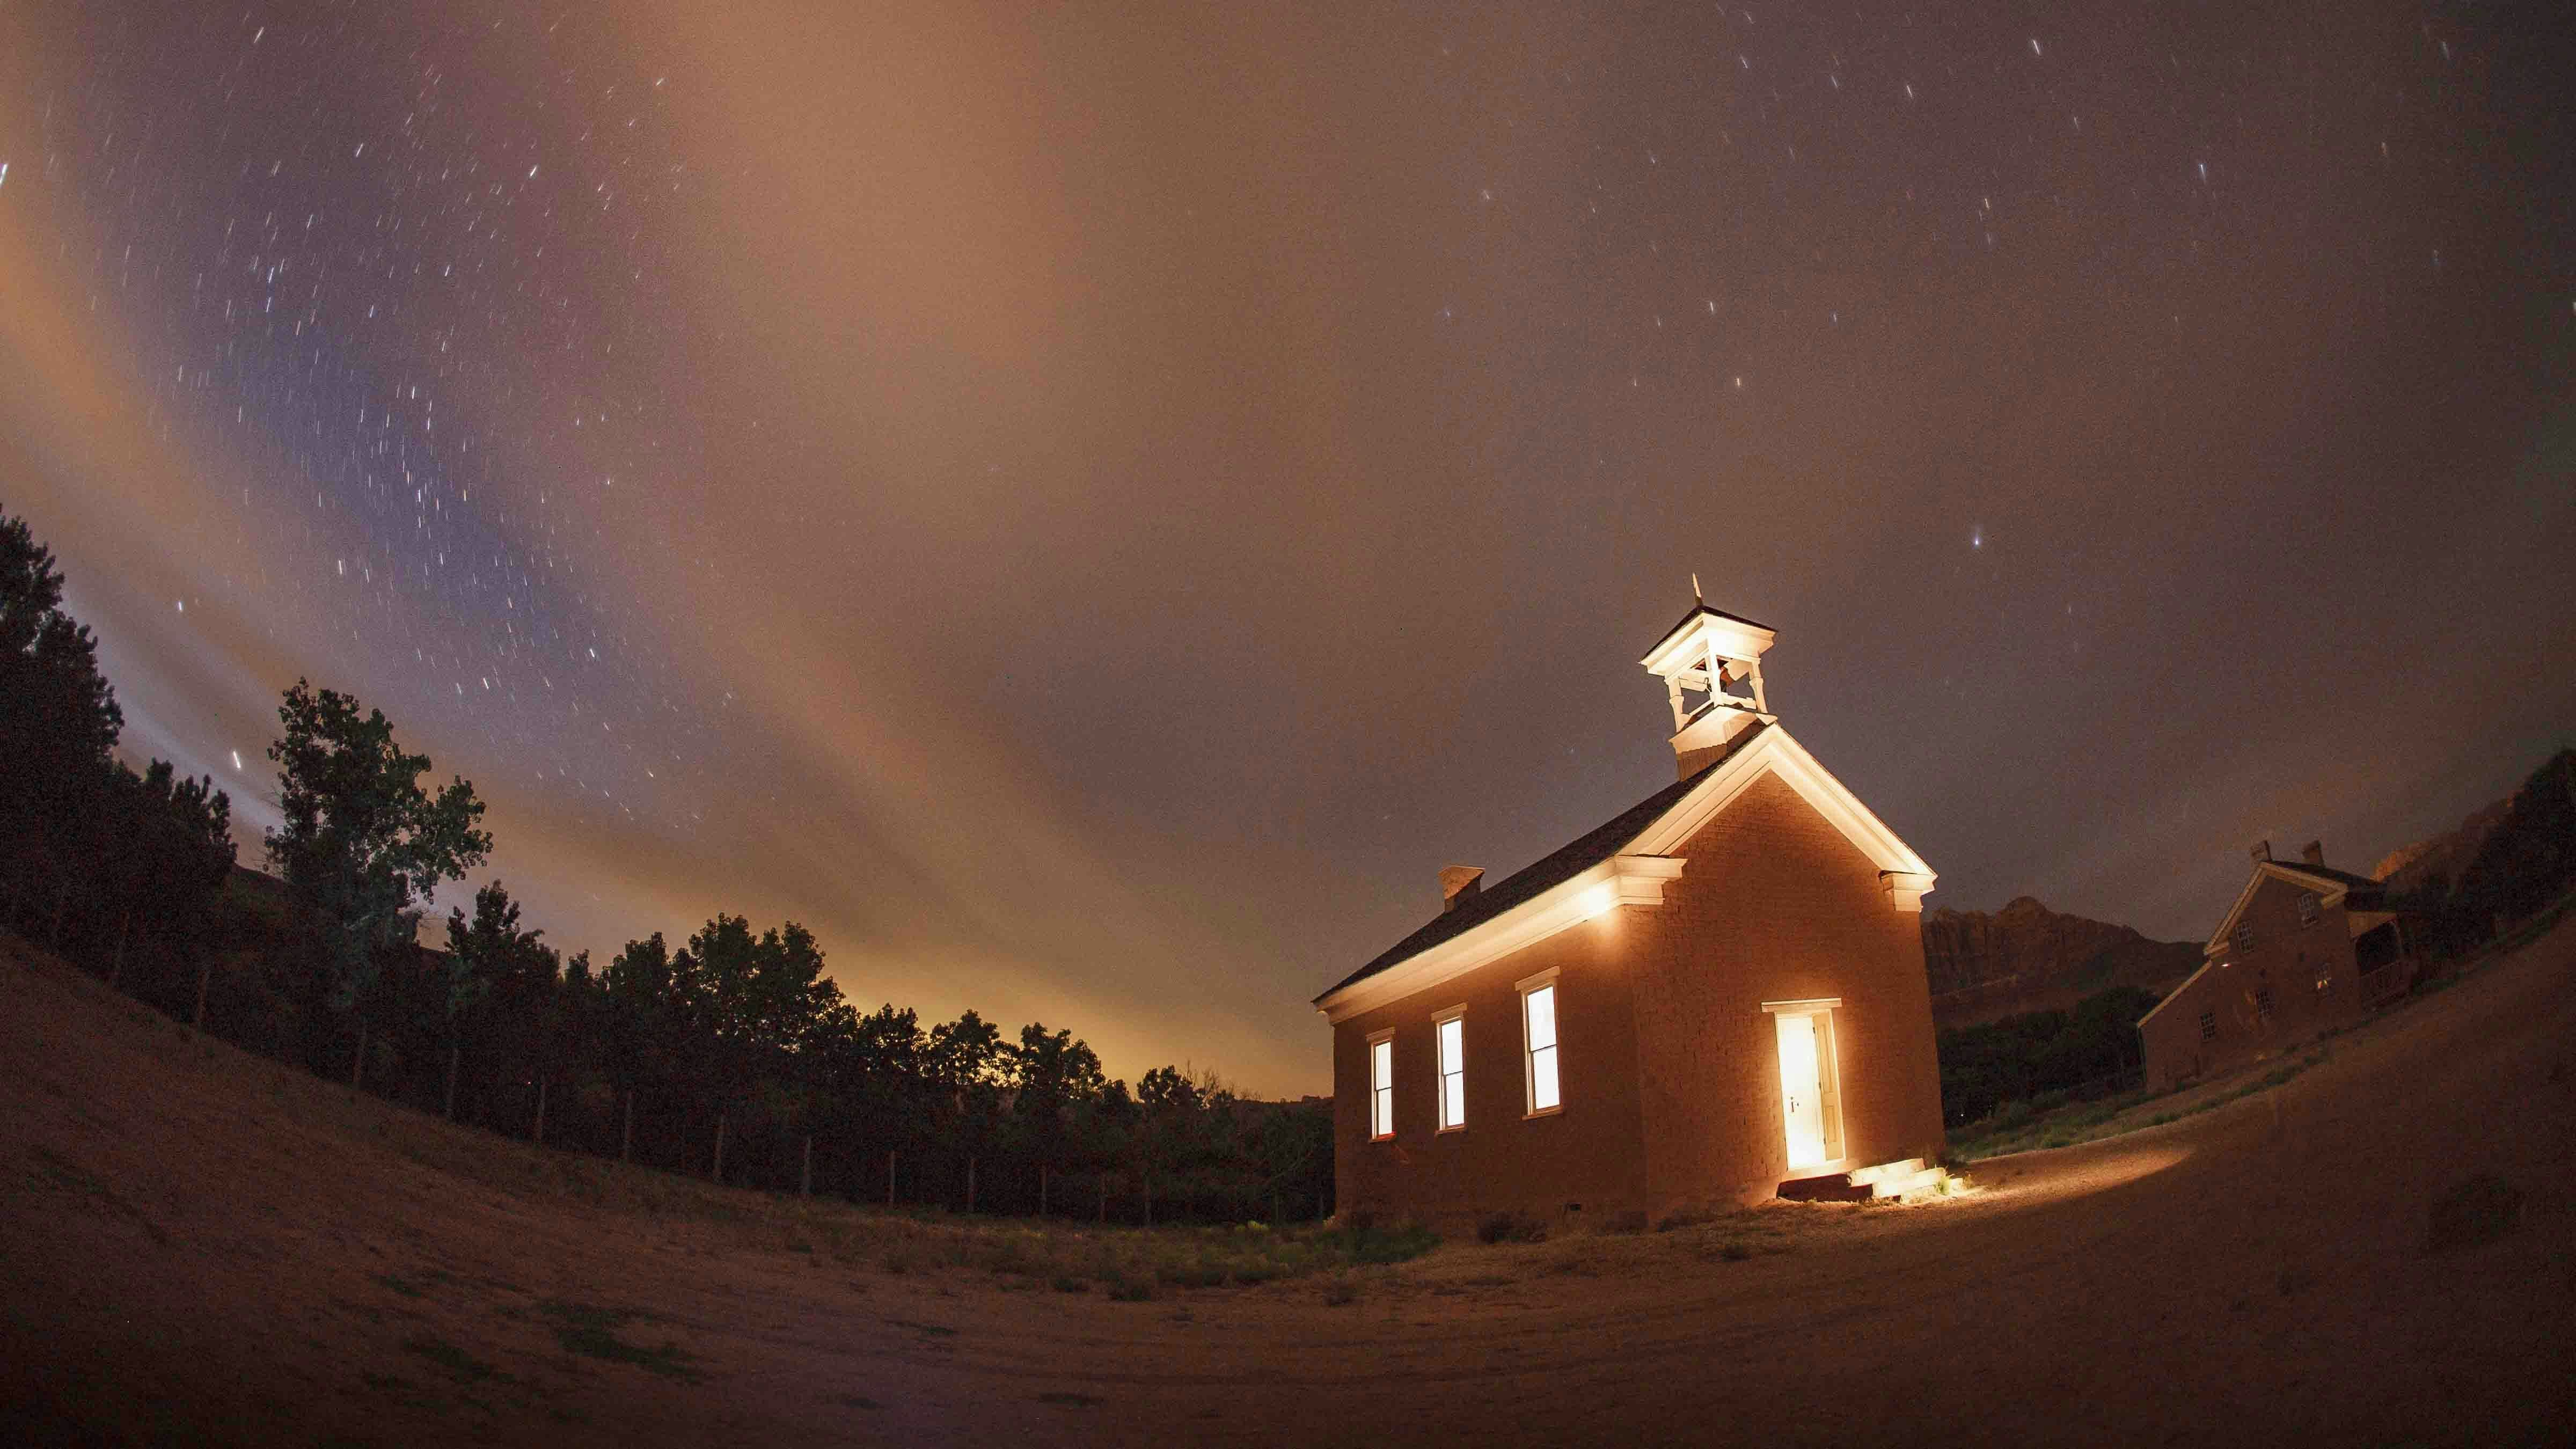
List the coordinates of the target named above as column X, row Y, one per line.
column 591, row 1331
column 453, row 1359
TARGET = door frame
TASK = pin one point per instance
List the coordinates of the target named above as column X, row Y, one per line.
column 1829, row 1085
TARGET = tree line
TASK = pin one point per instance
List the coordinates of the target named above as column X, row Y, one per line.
column 732, row 1054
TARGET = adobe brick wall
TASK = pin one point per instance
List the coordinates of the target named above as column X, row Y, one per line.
column 2287, row 956
column 1776, row 905
column 1670, row 1067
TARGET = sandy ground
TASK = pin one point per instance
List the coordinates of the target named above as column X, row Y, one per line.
column 199, row 1246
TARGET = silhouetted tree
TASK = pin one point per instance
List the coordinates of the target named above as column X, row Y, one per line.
column 2529, row 859
column 58, row 726
column 363, row 842
column 175, row 851
column 491, row 961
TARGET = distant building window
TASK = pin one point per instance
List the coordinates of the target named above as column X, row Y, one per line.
column 1538, row 1025
column 2311, row 906
column 1382, row 1087
column 2325, row 982
column 2245, row 938
column 1452, row 1033
column 2262, row 1003
column 2209, row 1026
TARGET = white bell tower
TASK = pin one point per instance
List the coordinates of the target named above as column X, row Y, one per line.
column 1711, row 666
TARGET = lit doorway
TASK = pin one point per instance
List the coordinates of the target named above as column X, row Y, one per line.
column 1810, row 1105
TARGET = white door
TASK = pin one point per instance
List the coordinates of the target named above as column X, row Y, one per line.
column 1802, row 1095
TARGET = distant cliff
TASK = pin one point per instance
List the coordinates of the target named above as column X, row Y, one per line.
column 2443, row 857
column 2027, row 957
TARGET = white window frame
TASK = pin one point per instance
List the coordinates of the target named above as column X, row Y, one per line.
column 1381, row 1086
column 1448, row 1068
column 1531, row 986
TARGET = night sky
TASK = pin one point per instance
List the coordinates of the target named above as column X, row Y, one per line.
column 1089, row 507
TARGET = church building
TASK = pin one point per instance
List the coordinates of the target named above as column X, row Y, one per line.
column 1716, row 995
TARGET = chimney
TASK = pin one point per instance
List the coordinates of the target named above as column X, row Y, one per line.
column 1459, row 884
column 2314, row 852
column 2262, row 851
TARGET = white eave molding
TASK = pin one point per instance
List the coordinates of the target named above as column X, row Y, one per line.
column 1622, row 880
column 2176, row 994
column 1636, row 876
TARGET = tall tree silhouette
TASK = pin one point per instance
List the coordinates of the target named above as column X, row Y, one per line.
column 363, row 842
column 58, row 726
column 175, row 850
column 496, row 970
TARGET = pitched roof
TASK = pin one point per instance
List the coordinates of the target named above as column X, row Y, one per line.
column 2329, row 874
column 2359, row 892
column 1705, row 608
column 1572, row 859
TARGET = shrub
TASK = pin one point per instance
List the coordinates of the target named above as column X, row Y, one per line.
column 1626, row 1223
column 1511, row 1227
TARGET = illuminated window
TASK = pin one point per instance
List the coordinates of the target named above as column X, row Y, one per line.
column 1452, row 1034
column 1538, row 1029
column 1382, row 1086
column 2209, row 1026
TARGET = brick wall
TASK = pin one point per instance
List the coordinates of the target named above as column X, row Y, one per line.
column 1776, row 905
column 1503, row 1159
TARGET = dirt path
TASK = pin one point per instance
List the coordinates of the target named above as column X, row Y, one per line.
column 196, row 1244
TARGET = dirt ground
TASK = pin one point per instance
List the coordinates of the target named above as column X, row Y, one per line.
column 198, row 1246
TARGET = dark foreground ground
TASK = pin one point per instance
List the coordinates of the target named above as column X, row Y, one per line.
column 197, row 1246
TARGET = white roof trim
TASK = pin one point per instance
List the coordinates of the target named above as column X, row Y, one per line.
column 2177, row 991
column 1774, row 752
column 1636, row 875
column 1622, row 880
column 2329, row 892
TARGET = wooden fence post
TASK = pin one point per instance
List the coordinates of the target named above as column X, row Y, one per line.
column 454, row 1050
column 626, row 1142
column 970, row 1186
column 1042, row 1189
column 541, row 1110
column 889, row 1181
column 205, row 970
column 358, row 1068
column 1145, row 1182
column 1104, row 1199
column 806, row 1188
column 720, row 1131
column 116, row 970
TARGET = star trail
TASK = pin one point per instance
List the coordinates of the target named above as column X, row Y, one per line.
column 1089, row 511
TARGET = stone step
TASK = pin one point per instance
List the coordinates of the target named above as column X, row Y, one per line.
column 1907, row 1167
column 1833, row 1187
column 1862, row 1184
column 1929, row 1177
